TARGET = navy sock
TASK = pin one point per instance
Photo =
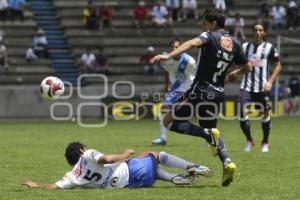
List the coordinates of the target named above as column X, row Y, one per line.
column 266, row 126
column 186, row 127
column 245, row 126
column 222, row 152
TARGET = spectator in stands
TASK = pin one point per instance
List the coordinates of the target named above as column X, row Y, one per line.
column 88, row 61
column 140, row 16
column 239, row 27
column 264, row 15
column 105, row 17
column 16, row 9
column 40, row 43
column 90, row 16
column 3, row 55
column 160, row 15
column 278, row 15
column 3, row 10
column 30, row 55
column 173, row 7
column 220, row 5
column 149, row 68
column 189, row 9
column 292, row 15
column 102, row 65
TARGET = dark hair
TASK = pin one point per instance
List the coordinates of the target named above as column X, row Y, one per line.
column 261, row 24
column 73, row 152
column 212, row 14
column 175, row 39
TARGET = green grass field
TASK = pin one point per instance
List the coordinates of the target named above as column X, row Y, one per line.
column 35, row 151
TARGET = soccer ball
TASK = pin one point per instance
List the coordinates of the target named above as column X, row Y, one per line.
column 52, row 88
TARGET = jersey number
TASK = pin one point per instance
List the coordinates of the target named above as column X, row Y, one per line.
column 221, row 67
column 94, row 176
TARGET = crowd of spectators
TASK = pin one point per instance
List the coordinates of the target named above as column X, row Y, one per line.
column 12, row 9
column 95, row 63
column 275, row 14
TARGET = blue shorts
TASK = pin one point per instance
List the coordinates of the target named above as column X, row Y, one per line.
column 142, row 172
column 172, row 97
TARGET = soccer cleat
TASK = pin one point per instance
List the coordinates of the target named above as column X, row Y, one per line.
column 183, row 179
column 249, row 146
column 265, row 147
column 200, row 170
column 215, row 135
column 228, row 172
column 159, row 141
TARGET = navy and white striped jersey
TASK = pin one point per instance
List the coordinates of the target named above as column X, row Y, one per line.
column 260, row 56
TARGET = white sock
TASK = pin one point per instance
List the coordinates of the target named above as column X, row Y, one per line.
column 162, row 128
column 173, row 161
column 164, row 175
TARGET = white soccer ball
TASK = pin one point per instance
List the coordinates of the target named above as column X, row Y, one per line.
column 52, row 88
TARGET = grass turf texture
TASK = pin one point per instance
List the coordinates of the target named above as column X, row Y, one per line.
column 36, row 151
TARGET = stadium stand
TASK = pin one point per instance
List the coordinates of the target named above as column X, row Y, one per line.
column 124, row 45
column 18, row 37
column 60, row 55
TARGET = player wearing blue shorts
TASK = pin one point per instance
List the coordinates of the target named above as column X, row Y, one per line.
column 179, row 75
column 92, row 169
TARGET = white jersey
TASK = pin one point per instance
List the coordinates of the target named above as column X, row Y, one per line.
column 87, row 173
column 181, row 72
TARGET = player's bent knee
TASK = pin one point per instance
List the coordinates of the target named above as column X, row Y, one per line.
column 162, row 157
column 168, row 120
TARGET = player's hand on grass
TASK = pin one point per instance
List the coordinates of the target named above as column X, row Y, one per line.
column 30, row 184
column 268, row 87
column 159, row 58
column 129, row 152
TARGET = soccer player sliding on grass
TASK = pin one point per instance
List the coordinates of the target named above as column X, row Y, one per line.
column 217, row 52
column 92, row 169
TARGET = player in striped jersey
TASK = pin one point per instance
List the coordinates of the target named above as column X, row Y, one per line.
column 180, row 72
column 257, row 84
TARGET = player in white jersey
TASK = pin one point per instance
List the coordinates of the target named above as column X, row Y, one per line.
column 92, row 169
column 180, row 72
column 256, row 85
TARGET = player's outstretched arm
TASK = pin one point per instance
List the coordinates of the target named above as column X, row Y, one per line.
column 196, row 42
column 31, row 184
column 113, row 158
column 276, row 71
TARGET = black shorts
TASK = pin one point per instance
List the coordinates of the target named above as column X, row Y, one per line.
column 202, row 102
column 260, row 100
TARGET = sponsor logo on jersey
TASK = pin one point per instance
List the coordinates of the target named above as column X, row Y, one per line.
column 113, row 181
column 78, row 170
column 110, row 173
column 226, row 43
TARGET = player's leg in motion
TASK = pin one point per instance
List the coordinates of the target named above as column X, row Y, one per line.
column 177, row 162
column 163, row 131
column 266, row 125
column 244, row 105
column 183, row 111
column 210, row 134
